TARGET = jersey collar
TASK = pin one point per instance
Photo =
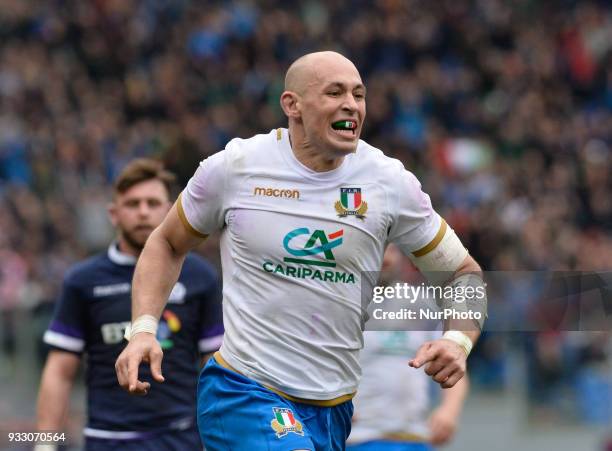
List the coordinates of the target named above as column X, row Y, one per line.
column 118, row 257
column 284, row 145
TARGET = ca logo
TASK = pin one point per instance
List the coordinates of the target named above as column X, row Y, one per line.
column 318, row 243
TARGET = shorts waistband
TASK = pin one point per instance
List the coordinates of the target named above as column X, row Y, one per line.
column 313, row 402
column 405, row 437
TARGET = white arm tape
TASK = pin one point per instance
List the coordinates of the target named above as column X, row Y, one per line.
column 144, row 323
column 469, row 298
column 460, row 338
column 446, row 256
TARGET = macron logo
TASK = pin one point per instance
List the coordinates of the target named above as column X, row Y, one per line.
column 274, row 192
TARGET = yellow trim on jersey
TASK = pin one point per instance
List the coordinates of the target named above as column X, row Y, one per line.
column 189, row 227
column 433, row 243
column 313, row 402
column 405, row 437
column 279, row 134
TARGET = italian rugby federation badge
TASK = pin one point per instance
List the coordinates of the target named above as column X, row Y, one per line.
column 284, row 422
column 351, row 203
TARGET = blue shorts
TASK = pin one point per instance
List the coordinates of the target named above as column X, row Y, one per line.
column 388, row 445
column 238, row 414
column 165, row 441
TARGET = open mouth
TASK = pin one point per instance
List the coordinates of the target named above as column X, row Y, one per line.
column 345, row 127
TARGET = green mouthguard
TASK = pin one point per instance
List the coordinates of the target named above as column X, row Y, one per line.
column 343, row 125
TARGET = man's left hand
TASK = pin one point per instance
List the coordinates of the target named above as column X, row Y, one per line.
column 444, row 361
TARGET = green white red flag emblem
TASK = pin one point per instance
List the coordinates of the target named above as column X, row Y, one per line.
column 351, row 203
column 284, row 422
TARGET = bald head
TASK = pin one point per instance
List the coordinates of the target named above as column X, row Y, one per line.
column 324, row 100
column 308, row 69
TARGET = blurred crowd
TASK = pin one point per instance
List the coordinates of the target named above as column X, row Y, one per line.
column 502, row 109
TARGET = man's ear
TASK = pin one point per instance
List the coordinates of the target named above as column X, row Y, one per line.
column 290, row 103
column 111, row 209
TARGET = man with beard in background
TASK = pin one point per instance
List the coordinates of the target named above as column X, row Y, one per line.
column 91, row 316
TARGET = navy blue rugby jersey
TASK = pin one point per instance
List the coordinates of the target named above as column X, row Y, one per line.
column 91, row 316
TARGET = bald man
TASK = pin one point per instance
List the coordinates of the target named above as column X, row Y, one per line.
column 303, row 212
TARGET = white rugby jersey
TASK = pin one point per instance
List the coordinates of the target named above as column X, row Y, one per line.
column 294, row 244
column 393, row 400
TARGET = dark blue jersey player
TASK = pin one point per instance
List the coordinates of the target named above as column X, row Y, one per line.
column 93, row 312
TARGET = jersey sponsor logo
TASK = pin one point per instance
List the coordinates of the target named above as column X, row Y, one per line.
column 112, row 333
column 398, row 342
column 351, row 203
column 324, row 247
column 169, row 324
column 275, row 192
column 284, row 422
column 309, row 273
column 109, row 290
column 318, row 244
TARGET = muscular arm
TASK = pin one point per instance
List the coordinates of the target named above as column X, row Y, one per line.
column 443, row 359
column 453, row 398
column 468, row 266
column 159, row 265
column 55, row 386
column 157, row 270
column 444, row 419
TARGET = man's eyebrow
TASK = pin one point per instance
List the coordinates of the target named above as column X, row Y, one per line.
column 339, row 84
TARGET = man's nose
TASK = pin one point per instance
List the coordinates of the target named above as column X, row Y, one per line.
column 350, row 104
column 143, row 209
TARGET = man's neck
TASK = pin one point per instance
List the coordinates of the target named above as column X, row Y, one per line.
column 312, row 157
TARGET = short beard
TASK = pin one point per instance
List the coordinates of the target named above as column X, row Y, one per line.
column 127, row 236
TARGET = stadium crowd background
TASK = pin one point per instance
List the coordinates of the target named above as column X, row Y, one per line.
column 502, row 109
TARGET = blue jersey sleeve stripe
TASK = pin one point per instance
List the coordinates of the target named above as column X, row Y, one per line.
column 210, row 344
column 63, row 341
column 63, row 329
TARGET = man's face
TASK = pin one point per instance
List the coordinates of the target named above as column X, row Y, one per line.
column 138, row 211
column 336, row 94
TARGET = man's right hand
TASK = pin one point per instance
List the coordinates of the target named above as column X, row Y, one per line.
column 143, row 347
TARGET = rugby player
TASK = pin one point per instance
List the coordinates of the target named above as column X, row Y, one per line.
column 392, row 406
column 93, row 311
column 292, row 268
column 398, row 416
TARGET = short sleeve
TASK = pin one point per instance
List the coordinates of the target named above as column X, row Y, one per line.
column 201, row 204
column 67, row 329
column 415, row 224
column 211, row 320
